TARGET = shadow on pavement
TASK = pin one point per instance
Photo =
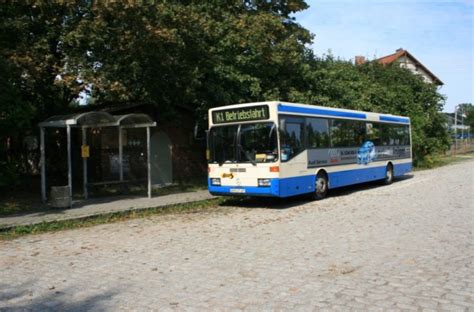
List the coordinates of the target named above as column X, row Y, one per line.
column 290, row 202
column 56, row 299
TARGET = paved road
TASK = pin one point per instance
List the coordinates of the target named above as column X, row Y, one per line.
column 408, row 246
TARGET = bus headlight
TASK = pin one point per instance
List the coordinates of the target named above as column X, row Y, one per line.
column 264, row 182
column 216, row 181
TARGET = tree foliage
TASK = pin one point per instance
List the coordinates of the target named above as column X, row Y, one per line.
column 199, row 54
column 468, row 110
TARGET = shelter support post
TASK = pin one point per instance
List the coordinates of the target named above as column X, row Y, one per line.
column 69, row 165
column 43, row 166
column 84, row 164
column 455, row 129
column 148, row 160
column 120, row 153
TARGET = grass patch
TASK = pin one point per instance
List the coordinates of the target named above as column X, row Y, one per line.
column 435, row 161
column 198, row 206
column 19, row 202
column 11, row 207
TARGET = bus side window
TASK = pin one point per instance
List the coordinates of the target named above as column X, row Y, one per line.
column 344, row 133
column 374, row 134
column 386, row 135
column 406, row 135
column 317, row 133
column 291, row 137
column 401, row 133
column 359, row 132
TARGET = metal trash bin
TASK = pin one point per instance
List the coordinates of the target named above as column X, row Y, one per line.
column 60, row 197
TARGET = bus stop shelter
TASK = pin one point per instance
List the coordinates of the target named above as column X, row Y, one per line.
column 84, row 121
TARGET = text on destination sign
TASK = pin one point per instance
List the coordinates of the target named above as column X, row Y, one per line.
column 241, row 114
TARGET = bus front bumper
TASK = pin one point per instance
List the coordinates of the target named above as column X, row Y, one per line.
column 226, row 190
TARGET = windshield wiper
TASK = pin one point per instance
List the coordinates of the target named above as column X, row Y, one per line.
column 247, row 155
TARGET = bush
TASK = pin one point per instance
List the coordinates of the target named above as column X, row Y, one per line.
column 9, row 175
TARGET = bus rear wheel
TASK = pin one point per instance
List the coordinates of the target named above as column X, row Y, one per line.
column 321, row 187
column 388, row 175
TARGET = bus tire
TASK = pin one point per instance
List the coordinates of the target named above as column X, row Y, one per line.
column 388, row 175
column 321, row 186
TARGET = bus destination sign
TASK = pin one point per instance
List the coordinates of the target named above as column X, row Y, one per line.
column 241, row 114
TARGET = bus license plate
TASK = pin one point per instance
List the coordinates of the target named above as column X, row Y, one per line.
column 240, row 191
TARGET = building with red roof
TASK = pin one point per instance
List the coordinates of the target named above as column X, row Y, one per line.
column 406, row 60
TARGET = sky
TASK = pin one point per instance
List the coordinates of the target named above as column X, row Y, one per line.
column 439, row 33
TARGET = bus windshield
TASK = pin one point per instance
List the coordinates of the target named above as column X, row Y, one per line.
column 246, row 143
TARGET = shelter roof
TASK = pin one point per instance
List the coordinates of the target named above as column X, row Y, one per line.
column 98, row 119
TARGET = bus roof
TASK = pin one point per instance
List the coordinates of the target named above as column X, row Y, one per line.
column 305, row 109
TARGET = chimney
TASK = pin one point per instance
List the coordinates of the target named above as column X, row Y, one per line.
column 359, row 60
column 399, row 50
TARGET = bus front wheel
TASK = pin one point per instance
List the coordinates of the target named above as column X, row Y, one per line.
column 321, row 187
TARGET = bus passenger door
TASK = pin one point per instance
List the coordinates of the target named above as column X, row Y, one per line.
column 292, row 155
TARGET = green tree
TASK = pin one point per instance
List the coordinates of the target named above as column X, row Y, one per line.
column 376, row 88
column 193, row 53
column 468, row 110
column 198, row 54
column 30, row 60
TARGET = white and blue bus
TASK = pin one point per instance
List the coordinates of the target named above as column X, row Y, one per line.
column 282, row 149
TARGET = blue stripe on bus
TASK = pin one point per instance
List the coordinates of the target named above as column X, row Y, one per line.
column 286, row 187
column 401, row 169
column 297, row 185
column 394, row 119
column 317, row 111
column 354, row 176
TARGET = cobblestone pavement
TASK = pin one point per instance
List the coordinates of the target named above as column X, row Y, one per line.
column 407, row 246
